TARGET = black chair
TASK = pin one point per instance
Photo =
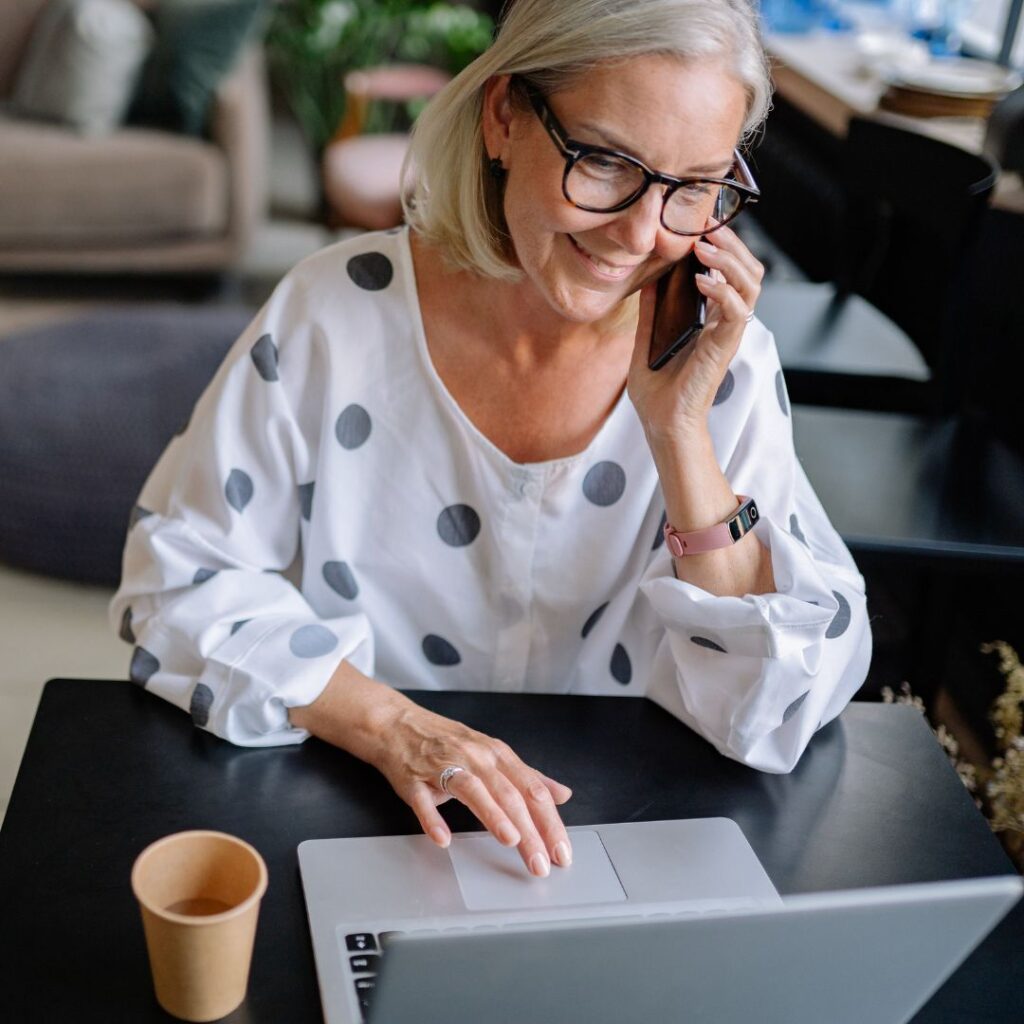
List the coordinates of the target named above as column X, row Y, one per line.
column 887, row 332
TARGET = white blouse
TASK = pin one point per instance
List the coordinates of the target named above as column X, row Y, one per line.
column 329, row 499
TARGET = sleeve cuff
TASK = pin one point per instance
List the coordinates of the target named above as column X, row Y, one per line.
column 775, row 625
column 247, row 697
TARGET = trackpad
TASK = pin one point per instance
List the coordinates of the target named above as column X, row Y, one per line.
column 493, row 877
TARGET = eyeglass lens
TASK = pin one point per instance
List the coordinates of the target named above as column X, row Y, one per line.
column 602, row 182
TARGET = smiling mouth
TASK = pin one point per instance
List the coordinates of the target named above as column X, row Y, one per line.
column 609, row 269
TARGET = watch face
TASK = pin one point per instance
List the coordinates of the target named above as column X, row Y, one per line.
column 744, row 519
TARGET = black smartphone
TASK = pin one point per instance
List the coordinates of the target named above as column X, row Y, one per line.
column 679, row 311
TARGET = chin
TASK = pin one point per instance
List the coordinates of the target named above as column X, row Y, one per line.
column 580, row 306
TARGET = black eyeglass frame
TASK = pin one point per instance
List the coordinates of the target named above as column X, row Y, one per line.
column 574, row 151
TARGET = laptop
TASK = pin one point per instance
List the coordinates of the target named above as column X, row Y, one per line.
column 656, row 921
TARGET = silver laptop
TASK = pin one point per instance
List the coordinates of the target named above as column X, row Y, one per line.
column 655, row 921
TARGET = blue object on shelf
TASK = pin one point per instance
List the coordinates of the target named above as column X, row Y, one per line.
column 792, row 16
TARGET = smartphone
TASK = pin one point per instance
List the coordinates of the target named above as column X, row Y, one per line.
column 679, row 311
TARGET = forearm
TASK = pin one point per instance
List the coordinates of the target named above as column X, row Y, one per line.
column 698, row 495
column 353, row 712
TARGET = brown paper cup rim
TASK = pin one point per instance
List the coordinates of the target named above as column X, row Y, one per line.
column 206, row 919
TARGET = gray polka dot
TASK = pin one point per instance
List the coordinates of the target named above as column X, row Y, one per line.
column 126, row 633
column 143, row 666
column 592, row 621
column 458, row 525
column 841, row 620
column 264, row 357
column 200, row 704
column 703, row 641
column 725, row 388
column 794, row 707
column 238, row 489
column 353, row 427
column 604, row 483
column 780, row 392
column 439, row 651
column 370, row 270
column 306, row 500
column 794, row 528
column 622, row 669
column 138, row 513
column 202, row 575
column 659, row 537
column 340, row 579
column 312, row 642
column 236, row 626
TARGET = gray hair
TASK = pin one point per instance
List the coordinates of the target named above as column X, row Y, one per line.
column 450, row 197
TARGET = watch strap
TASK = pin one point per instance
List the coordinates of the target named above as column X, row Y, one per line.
column 721, row 535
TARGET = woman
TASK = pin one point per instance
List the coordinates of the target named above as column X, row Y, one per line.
column 448, row 436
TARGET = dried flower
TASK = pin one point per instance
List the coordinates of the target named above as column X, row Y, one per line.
column 967, row 771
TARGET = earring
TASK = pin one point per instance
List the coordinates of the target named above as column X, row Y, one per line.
column 496, row 169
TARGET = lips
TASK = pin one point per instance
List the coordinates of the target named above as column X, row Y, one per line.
column 611, row 270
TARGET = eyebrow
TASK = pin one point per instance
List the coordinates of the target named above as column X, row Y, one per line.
column 717, row 169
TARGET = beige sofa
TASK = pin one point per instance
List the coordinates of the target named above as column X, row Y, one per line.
column 138, row 200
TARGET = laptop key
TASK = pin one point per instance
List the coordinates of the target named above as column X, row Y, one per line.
column 365, row 987
column 361, row 942
column 364, row 963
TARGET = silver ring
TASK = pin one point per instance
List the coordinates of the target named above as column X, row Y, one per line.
column 750, row 316
column 446, row 776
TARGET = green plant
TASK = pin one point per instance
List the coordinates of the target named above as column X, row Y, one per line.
column 311, row 44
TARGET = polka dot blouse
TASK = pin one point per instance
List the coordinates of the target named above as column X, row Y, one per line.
column 329, row 499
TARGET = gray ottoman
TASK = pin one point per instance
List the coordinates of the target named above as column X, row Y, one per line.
column 86, row 408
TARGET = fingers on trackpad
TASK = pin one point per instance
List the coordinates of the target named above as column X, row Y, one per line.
column 493, row 877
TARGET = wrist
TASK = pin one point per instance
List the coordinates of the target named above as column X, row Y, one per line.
column 354, row 712
column 685, row 440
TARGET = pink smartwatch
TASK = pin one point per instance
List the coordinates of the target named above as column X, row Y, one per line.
column 721, row 535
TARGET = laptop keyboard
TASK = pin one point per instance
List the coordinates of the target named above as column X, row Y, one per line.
column 364, row 955
column 364, row 951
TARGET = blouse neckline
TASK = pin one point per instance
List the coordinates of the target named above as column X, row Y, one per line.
column 448, row 399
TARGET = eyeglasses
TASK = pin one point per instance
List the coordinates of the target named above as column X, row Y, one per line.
column 604, row 180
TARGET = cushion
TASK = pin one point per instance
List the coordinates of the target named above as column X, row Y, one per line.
column 82, row 63
column 133, row 186
column 86, row 408
column 198, row 42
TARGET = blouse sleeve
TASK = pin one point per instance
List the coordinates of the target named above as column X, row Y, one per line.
column 758, row 675
column 205, row 600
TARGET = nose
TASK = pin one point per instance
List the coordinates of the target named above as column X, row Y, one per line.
column 636, row 228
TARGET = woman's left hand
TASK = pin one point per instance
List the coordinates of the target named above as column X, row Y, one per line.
column 675, row 400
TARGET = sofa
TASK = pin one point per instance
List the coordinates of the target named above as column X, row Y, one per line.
column 135, row 200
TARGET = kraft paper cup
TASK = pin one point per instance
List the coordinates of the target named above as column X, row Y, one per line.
column 199, row 893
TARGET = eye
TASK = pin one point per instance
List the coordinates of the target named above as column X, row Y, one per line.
column 605, row 165
column 695, row 192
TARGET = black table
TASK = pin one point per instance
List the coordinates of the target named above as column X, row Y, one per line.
column 108, row 768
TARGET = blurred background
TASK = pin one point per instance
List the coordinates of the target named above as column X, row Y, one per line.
column 164, row 162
